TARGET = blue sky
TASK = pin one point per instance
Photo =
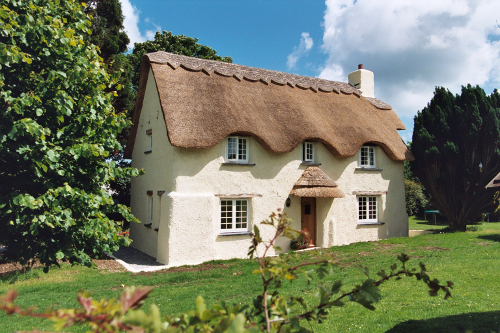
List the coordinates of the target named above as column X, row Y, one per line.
column 411, row 46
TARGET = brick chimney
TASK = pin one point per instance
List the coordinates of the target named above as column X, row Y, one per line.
column 363, row 79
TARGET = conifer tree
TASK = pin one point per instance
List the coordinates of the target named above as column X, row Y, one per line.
column 456, row 147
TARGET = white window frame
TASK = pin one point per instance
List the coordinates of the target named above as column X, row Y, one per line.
column 242, row 149
column 308, row 151
column 369, row 161
column 371, row 215
column 223, row 216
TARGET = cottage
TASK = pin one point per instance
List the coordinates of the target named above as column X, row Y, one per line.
column 224, row 145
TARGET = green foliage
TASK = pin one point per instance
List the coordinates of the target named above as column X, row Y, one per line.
column 455, row 144
column 57, row 130
column 270, row 311
column 107, row 27
column 301, row 242
column 416, row 201
column 107, row 34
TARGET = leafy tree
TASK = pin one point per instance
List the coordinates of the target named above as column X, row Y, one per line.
column 57, row 130
column 456, row 148
column 270, row 311
column 107, row 34
column 106, row 18
column 415, row 194
column 107, row 28
column 166, row 41
column 416, row 201
column 408, row 174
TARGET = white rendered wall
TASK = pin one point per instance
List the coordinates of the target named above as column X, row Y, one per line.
column 364, row 80
column 194, row 181
column 157, row 178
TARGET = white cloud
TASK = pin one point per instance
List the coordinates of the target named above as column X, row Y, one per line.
column 413, row 46
column 131, row 23
column 306, row 43
column 150, row 34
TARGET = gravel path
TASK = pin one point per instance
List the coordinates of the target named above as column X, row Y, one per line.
column 136, row 261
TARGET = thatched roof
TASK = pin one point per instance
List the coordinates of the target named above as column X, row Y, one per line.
column 315, row 183
column 204, row 101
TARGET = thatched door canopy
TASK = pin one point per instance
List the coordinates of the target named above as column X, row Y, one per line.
column 314, row 183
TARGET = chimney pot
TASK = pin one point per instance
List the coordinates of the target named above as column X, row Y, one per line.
column 360, row 66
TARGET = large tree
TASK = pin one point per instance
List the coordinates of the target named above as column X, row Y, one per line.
column 57, row 130
column 107, row 28
column 456, row 146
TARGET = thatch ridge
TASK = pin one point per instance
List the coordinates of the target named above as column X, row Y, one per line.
column 314, row 182
column 204, row 101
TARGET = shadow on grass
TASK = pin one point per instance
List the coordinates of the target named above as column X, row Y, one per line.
column 480, row 322
column 492, row 237
column 431, row 223
column 15, row 276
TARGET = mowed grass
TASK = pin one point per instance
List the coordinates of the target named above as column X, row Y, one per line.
column 470, row 260
column 419, row 223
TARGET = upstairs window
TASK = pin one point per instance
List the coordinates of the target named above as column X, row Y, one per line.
column 237, row 149
column 367, row 209
column 308, row 152
column 233, row 215
column 367, row 157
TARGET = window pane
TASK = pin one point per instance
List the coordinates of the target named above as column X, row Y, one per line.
column 364, row 155
column 241, row 214
column 242, row 152
column 309, row 151
column 372, row 208
column 226, row 214
column 362, row 208
column 232, row 148
column 233, row 214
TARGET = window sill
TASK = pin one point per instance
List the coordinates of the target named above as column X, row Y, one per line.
column 238, row 163
column 242, row 233
column 360, row 224
column 148, row 152
column 310, row 163
column 368, row 169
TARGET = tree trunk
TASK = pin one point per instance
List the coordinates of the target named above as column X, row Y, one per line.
column 457, row 225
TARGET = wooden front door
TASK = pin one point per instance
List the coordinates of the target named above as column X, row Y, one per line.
column 308, row 217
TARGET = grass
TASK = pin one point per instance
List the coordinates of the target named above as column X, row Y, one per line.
column 469, row 259
column 418, row 223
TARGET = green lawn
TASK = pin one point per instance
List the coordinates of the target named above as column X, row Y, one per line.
column 470, row 260
column 417, row 223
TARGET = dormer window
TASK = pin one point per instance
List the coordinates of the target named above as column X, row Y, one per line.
column 367, row 157
column 308, row 152
column 237, row 149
